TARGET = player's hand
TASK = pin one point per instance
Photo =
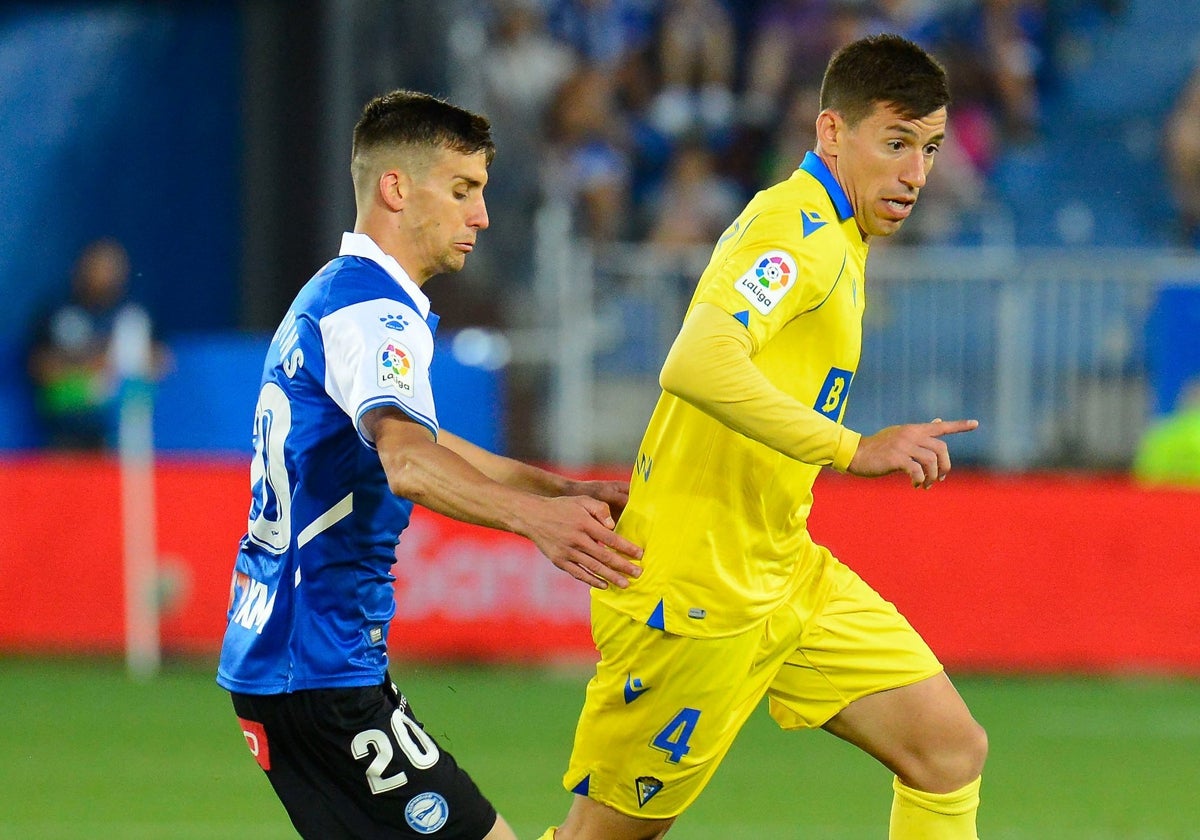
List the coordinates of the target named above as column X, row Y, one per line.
column 576, row 534
column 916, row 449
column 615, row 494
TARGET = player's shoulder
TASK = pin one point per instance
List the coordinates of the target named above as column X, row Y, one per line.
column 796, row 212
column 347, row 281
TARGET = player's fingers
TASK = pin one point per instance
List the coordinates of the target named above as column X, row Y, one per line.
column 952, row 427
column 599, row 511
column 608, row 563
column 943, row 461
column 611, row 569
column 580, row 573
column 928, row 458
column 618, row 543
column 916, row 472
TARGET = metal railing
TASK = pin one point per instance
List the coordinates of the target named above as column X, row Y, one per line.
column 1047, row 348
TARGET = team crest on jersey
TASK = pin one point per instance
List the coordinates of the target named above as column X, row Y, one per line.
column 427, row 812
column 771, row 277
column 647, row 786
column 396, row 368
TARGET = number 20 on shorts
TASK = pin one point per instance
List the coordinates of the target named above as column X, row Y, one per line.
column 673, row 738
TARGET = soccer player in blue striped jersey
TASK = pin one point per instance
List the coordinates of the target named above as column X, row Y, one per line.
column 346, row 440
column 736, row 602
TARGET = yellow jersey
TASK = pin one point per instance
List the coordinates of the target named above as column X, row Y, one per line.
column 722, row 517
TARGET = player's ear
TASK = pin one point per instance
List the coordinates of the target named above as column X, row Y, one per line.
column 394, row 187
column 830, row 127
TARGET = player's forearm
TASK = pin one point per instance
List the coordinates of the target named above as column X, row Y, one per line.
column 507, row 471
column 709, row 366
column 435, row 477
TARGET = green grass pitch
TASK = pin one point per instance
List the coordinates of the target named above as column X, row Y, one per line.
column 85, row 753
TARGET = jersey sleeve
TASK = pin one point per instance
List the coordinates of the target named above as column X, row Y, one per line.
column 378, row 353
column 764, row 273
column 709, row 366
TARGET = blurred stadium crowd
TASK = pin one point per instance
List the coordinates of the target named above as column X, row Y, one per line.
column 660, row 117
column 1074, row 123
column 655, row 120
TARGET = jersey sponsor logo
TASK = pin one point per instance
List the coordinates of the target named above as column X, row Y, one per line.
column 427, row 812
column 771, row 277
column 252, row 602
column 634, row 689
column 396, row 368
column 810, row 222
column 647, row 786
column 256, row 740
column 831, row 401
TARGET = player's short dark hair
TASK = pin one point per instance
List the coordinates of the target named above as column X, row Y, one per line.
column 884, row 69
column 410, row 118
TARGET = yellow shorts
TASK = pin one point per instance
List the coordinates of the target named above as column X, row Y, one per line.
column 662, row 710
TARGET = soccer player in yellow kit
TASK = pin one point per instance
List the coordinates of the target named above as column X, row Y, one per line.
column 735, row 600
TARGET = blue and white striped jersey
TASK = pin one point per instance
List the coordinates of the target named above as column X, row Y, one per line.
column 311, row 596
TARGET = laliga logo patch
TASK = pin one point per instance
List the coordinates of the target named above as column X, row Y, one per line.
column 396, row 368
column 772, row 276
column 426, row 812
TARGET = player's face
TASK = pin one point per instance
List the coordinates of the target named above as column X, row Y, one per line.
column 882, row 164
column 446, row 210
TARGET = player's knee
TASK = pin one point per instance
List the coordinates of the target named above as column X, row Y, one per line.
column 961, row 762
column 975, row 750
column 953, row 762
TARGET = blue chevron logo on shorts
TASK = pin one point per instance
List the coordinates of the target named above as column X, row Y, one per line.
column 634, row 689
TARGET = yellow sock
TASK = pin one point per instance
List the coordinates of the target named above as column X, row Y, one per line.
column 917, row 815
column 549, row 835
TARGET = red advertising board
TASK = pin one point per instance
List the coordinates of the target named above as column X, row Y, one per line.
column 1031, row 573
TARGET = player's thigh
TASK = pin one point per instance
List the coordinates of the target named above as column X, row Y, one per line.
column 662, row 710
column 358, row 763
column 854, row 644
column 922, row 732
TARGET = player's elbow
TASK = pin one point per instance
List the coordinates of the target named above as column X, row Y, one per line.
column 400, row 481
column 677, row 377
column 404, row 475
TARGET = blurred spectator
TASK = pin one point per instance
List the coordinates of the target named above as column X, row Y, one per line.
column 1012, row 35
column 1182, row 144
column 603, row 32
column 1169, row 452
column 695, row 203
column 81, row 351
column 793, row 134
column 522, row 67
column 696, row 57
column 788, row 46
column 784, row 64
column 588, row 163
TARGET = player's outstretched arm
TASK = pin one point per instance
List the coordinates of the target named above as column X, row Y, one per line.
column 574, row 532
column 916, row 449
column 521, row 476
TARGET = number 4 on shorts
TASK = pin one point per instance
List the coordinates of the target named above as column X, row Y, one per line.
column 673, row 738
